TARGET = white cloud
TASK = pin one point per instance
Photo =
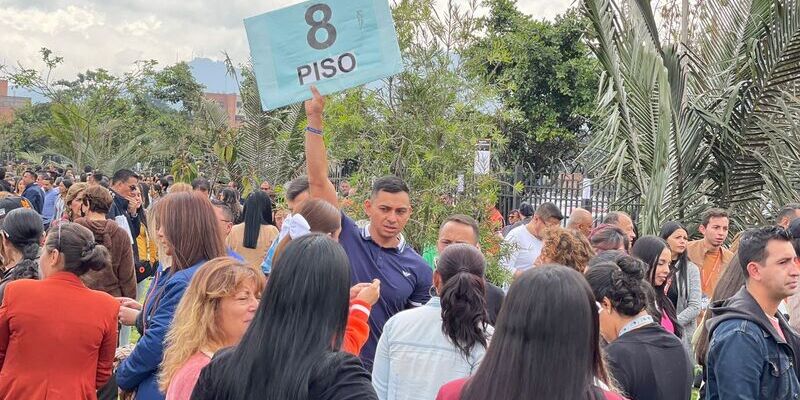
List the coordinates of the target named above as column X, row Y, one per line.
column 114, row 33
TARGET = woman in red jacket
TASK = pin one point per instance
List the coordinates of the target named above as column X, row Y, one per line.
column 57, row 337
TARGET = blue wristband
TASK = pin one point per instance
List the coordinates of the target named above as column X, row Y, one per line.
column 314, row 131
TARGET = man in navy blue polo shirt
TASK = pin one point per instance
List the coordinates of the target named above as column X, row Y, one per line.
column 377, row 251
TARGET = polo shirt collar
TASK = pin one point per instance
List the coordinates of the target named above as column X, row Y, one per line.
column 367, row 236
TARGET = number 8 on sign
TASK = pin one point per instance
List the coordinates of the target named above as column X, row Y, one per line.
column 330, row 30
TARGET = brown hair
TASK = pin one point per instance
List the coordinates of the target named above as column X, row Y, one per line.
column 98, row 198
column 180, row 187
column 195, row 325
column 191, row 229
column 321, row 217
column 713, row 213
column 564, row 247
column 78, row 249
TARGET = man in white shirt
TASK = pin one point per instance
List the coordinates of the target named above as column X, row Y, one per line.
column 524, row 243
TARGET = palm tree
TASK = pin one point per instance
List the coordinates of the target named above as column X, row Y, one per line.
column 679, row 127
column 269, row 145
column 75, row 140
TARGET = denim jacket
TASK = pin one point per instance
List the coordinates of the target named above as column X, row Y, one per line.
column 747, row 358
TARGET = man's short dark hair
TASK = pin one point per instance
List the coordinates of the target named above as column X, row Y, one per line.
column 295, row 187
column 201, row 184
column 549, row 210
column 389, row 184
column 31, row 173
column 713, row 213
column 224, row 208
column 122, row 176
column 613, row 217
column 47, row 177
column 753, row 244
column 787, row 212
column 464, row 220
column 526, row 210
column 87, row 169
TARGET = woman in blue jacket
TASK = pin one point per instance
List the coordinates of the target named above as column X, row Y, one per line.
column 187, row 228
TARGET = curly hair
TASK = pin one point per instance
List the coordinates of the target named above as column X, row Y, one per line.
column 622, row 283
column 196, row 323
column 566, row 247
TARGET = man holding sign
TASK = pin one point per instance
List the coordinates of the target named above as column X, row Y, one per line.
column 377, row 251
column 332, row 44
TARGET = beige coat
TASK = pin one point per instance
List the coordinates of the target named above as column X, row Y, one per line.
column 256, row 256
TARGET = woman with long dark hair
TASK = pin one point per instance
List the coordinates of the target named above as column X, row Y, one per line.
column 58, row 337
column 231, row 197
column 190, row 235
column 541, row 348
column 292, row 349
column 22, row 231
column 656, row 254
column 252, row 238
column 648, row 362
column 423, row 348
column 683, row 290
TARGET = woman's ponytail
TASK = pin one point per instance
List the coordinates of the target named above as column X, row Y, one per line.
column 463, row 297
column 23, row 229
column 464, row 316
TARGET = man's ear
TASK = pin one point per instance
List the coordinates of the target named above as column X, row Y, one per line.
column 753, row 270
column 368, row 207
column 702, row 229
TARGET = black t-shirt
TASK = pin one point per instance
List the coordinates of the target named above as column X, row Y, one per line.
column 650, row 363
column 494, row 301
column 342, row 378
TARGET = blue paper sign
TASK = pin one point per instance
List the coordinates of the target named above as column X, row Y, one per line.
column 333, row 44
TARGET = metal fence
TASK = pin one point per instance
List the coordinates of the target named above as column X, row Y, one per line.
column 568, row 190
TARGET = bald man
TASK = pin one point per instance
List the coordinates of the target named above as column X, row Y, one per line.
column 622, row 221
column 580, row 220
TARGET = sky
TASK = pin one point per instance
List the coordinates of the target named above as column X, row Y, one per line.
column 112, row 34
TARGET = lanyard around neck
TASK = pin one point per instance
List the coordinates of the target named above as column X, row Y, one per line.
column 641, row 321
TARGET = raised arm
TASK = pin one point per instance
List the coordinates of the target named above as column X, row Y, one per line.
column 316, row 155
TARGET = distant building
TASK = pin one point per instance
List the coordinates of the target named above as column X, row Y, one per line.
column 9, row 104
column 231, row 104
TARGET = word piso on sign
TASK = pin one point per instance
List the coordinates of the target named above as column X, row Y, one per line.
column 333, row 44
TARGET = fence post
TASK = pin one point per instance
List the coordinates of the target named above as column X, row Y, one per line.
column 517, row 178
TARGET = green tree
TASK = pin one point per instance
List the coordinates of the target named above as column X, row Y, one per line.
column 546, row 74
column 24, row 133
column 107, row 121
column 716, row 123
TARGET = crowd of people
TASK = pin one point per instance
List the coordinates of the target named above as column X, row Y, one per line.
column 237, row 298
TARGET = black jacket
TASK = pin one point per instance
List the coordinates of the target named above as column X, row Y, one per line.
column 494, row 301
column 650, row 363
column 120, row 208
column 339, row 376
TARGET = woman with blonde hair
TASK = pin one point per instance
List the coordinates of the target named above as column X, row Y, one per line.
column 213, row 314
column 73, row 202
